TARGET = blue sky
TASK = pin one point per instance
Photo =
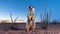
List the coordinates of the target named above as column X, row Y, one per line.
column 20, row 8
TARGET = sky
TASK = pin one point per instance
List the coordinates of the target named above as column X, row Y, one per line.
column 20, row 8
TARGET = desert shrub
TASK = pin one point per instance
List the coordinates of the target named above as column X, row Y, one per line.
column 55, row 22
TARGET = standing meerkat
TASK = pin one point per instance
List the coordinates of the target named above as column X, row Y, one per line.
column 30, row 25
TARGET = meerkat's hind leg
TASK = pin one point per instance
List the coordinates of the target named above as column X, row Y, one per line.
column 27, row 29
column 32, row 29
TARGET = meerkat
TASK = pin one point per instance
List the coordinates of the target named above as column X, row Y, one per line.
column 31, row 19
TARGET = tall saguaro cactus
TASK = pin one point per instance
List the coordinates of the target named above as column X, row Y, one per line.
column 46, row 18
column 45, row 11
column 11, row 17
column 44, row 23
column 13, row 21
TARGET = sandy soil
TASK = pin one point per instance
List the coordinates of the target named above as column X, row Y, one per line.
column 37, row 31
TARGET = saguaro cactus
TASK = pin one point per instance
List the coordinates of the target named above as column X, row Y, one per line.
column 13, row 21
column 46, row 18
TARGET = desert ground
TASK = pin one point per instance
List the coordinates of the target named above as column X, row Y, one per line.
column 21, row 29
